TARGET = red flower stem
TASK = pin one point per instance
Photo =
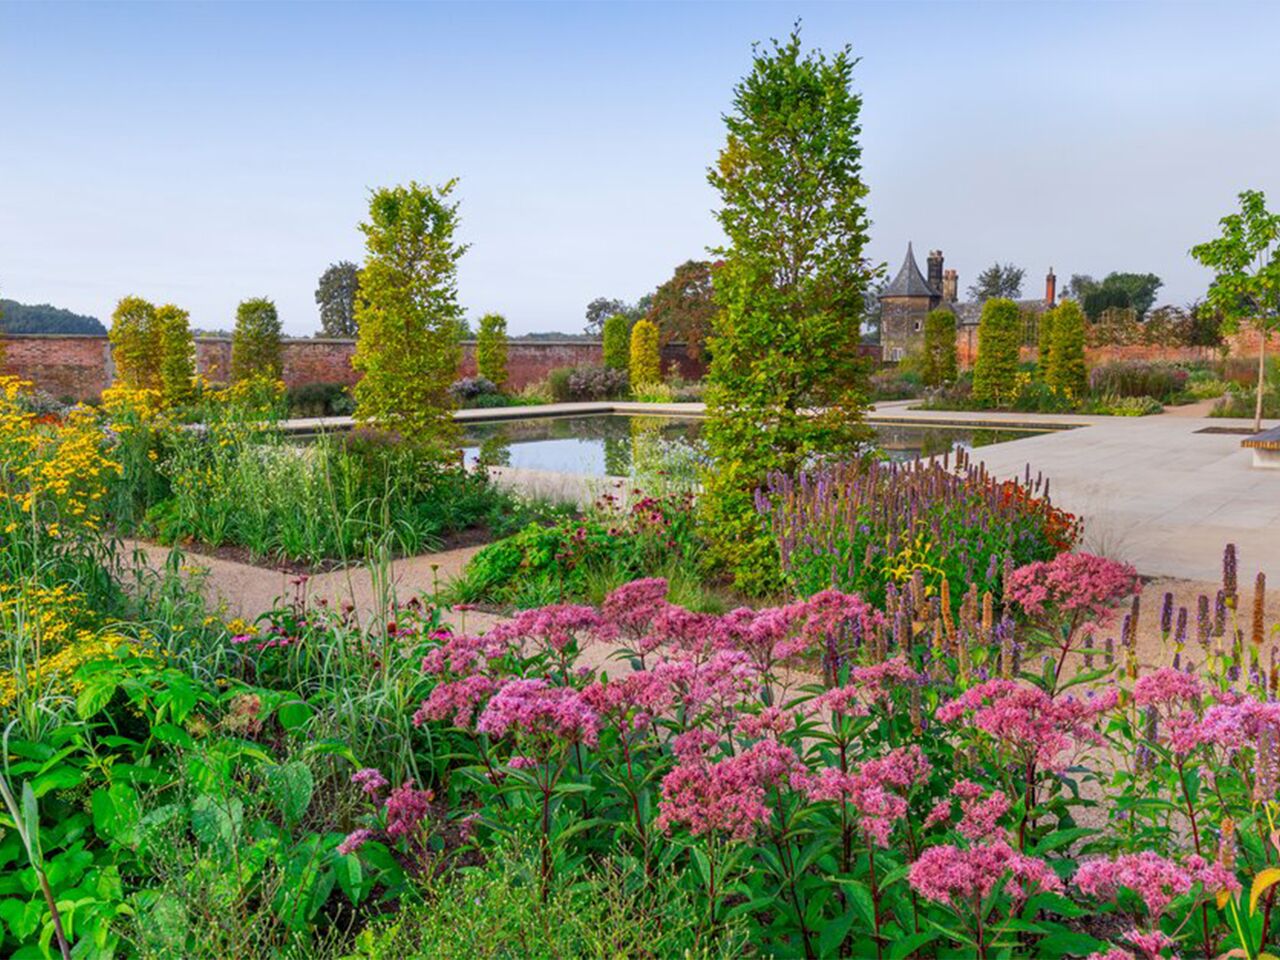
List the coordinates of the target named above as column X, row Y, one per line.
column 1195, row 835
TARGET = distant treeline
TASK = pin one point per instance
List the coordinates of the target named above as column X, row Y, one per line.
column 42, row 318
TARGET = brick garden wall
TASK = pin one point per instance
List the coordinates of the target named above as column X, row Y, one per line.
column 80, row 366
column 1242, row 345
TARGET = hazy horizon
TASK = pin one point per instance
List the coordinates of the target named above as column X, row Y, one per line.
column 202, row 154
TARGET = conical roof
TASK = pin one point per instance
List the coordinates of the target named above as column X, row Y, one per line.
column 909, row 282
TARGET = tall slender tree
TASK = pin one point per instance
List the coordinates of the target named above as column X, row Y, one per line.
column 409, row 321
column 1246, row 283
column 786, row 384
column 256, row 351
column 491, row 349
column 1068, row 372
column 999, row 335
column 177, row 367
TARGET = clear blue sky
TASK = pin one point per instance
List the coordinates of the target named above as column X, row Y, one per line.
column 207, row 153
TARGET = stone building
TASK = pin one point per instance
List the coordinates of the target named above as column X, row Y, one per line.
column 912, row 294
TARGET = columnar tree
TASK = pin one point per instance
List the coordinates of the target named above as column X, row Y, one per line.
column 491, row 349
column 135, row 344
column 256, row 352
column 786, row 383
column 616, row 342
column 646, row 355
column 336, row 295
column 939, row 347
column 1246, row 284
column 999, row 336
column 683, row 307
column 177, row 366
column 1067, row 370
column 408, row 345
column 1044, row 342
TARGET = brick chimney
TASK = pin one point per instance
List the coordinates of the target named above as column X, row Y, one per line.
column 935, row 269
column 1050, row 288
column 950, row 286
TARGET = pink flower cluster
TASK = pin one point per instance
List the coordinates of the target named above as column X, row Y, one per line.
column 728, row 796
column 876, row 790
column 533, row 709
column 1028, row 721
column 1156, row 880
column 961, row 878
column 1074, row 583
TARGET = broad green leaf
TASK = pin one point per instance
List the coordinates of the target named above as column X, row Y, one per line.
column 291, row 787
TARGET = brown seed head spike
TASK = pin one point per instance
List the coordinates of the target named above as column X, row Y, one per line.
column 1259, row 608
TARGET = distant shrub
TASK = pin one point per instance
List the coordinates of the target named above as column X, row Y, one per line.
column 646, row 355
column 320, row 400
column 491, row 349
column 1206, row 389
column 1138, row 378
column 468, row 388
column 654, row 393
column 999, row 336
column 558, row 383
column 689, row 392
column 896, row 384
column 616, row 344
column 536, row 393
column 177, row 355
column 1113, row 406
column 596, row 383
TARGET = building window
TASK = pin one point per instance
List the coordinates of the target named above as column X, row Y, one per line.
column 917, row 326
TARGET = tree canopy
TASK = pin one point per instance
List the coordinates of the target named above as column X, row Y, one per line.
column 789, row 289
column 682, row 308
column 18, row 317
column 336, row 295
column 998, row 280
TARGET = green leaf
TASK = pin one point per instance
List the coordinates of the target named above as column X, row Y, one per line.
column 291, row 786
column 94, row 696
column 350, row 876
column 834, row 932
column 214, row 822
column 900, row 949
column 294, row 715
column 31, row 824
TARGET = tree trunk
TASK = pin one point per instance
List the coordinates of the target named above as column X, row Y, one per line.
column 1262, row 370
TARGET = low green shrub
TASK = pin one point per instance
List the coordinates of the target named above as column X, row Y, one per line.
column 1113, row 406
column 653, row 393
column 600, row 909
column 584, row 558
column 320, row 400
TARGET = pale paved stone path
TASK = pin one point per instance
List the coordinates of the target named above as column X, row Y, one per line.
column 235, row 589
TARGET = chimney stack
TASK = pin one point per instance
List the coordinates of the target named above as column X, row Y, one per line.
column 1050, row 288
column 950, row 286
column 935, row 269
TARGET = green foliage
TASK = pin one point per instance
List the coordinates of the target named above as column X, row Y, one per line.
column 1246, row 283
column 1102, row 299
column 1113, row 406
column 583, row 559
column 789, row 292
column 998, row 280
column 999, row 336
column 491, row 349
column 1067, row 371
column 256, row 352
column 341, row 498
column 683, row 308
column 42, row 318
column 136, row 344
column 496, row 911
column 645, row 365
column 408, row 316
column 1139, row 378
column 939, row 361
column 177, row 355
column 616, row 342
column 336, row 295
column 1044, row 343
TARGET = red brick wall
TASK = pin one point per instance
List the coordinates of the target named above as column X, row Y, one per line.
column 80, row 367
column 966, row 352
column 64, row 366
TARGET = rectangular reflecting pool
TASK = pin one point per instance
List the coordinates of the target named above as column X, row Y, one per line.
column 622, row 445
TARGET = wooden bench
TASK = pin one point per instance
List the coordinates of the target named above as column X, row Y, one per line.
column 1265, row 447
